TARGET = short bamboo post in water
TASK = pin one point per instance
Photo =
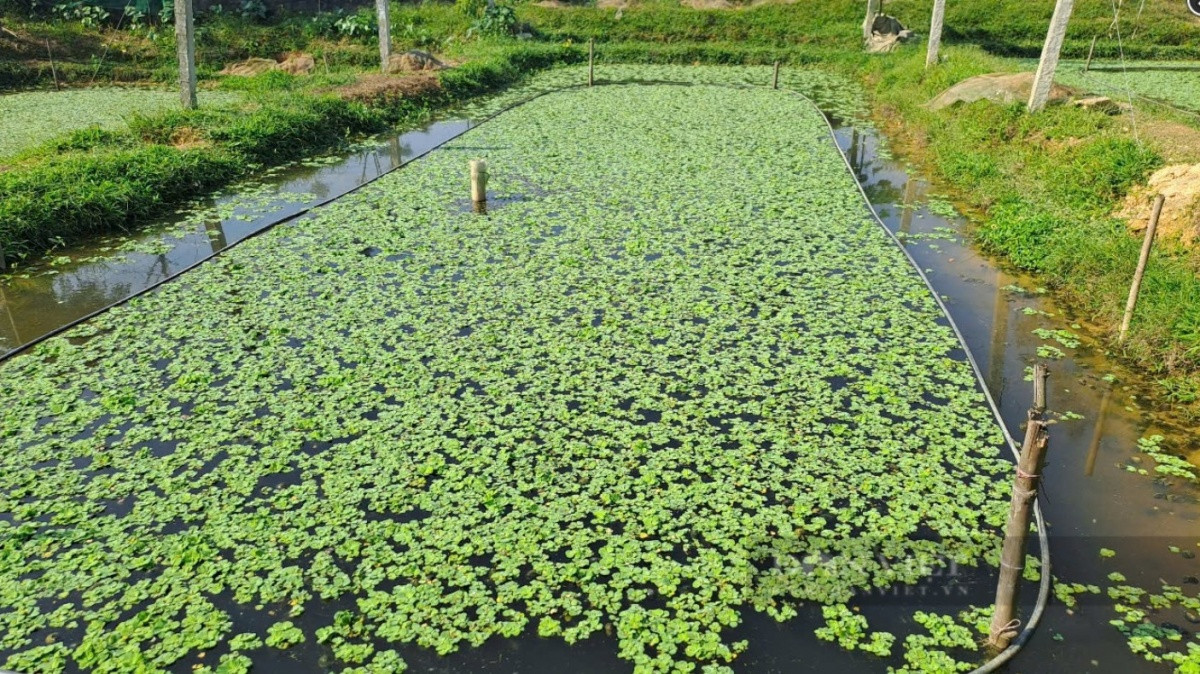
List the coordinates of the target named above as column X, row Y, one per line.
column 1136, row 286
column 775, row 77
column 591, row 60
column 1025, row 487
column 479, row 178
column 1088, row 63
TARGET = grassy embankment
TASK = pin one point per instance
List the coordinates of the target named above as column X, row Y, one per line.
column 1045, row 185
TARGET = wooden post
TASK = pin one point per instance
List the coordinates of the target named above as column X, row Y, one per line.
column 935, row 33
column 1136, row 286
column 385, row 34
column 3, row 262
column 1044, row 78
column 1088, row 63
column 775, row 77
column 53, row 70
column 1025, row 486
column 591, row 60
column 479, row 180
column 185, row 49
column 873, row 9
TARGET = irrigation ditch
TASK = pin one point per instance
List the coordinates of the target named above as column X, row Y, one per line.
column 931, row 246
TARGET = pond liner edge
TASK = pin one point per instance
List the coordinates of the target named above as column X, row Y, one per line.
column 1043, row 540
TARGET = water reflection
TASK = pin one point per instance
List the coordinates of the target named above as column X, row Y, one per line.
column 41, row 299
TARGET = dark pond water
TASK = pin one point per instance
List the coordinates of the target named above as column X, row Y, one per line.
column 1092, row 500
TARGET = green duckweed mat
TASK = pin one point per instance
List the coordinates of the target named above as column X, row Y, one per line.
column 675, row 364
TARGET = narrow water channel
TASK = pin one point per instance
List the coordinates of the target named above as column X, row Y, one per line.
column 1093, row 498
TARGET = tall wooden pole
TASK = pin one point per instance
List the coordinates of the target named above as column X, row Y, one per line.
column 1025, row 487
column 873, row 9
column 1136, row 286
column 185, row 48
column 385, row 34
column 935, row 33
column 591, row 61
column 1044, row 79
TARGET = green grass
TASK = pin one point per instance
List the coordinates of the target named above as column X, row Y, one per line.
column 630, row 395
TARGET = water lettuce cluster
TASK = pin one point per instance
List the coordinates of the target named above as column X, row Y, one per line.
column 676, row 372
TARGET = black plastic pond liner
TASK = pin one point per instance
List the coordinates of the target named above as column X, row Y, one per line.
column 1043, row 542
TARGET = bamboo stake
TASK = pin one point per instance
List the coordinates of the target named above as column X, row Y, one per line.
column 53, row 70
column 479, row 180
column 1136, row 286
column 591, row 60
column 1088, row 63
column 1025, row 487
column 775, row 78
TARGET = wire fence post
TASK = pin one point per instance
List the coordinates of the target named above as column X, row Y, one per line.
column 1136, row 286
column 385, row 34
column 1088, row 63
column 1043, row 80
column 1025, row 487
column 591, row 60
column 775, row 77
column 935, row 33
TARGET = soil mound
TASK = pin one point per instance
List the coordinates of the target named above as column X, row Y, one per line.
column 1180, row 184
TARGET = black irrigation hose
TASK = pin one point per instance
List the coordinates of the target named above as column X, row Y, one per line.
column 1044, row 587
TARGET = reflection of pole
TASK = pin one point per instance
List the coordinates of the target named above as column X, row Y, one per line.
column 11, row 321
column 397, row 155
column 217, row 242
column 854, row 149
column 906, row 213
column 1094, row 447
column 999, row 335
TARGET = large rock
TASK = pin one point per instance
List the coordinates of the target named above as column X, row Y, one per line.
column 1180, row 184
column 250, row 67
column 997, row 87
column 413, row 61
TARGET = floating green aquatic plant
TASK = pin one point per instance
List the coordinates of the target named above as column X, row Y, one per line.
column 675, row 373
